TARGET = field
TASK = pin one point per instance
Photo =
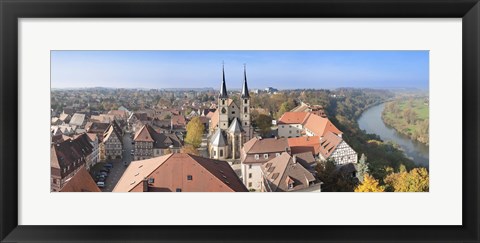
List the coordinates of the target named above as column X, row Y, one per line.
column 409, row 117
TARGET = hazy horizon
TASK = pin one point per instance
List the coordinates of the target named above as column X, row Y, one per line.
column 282, row 70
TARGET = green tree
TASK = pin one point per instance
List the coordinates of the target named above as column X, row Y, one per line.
column 264, row 123
column 195, row 130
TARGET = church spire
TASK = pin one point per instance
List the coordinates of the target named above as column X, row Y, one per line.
column 245, row 93
column 223, row 88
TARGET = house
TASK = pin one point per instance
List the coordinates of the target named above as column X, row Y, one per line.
column 285, row 174
column 102, row 118
column 230, row 125
column 81, row 181
column 112, row 143
column 93, row 138
column 78, row 120
column 254, row 154
column 179, row 172
column 178, row 123
column 305, row 144
column 65, row 118
column 62, row 129
column 296, row 124
column 310, row 132
column 314, row 109
column 84, row 141
column 335, row 148
column 66, row 158
column 150, row 143
column 56, row 121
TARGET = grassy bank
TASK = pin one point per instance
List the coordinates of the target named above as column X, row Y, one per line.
column 409, row 117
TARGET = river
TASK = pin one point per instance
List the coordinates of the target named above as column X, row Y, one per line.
column 371, row 121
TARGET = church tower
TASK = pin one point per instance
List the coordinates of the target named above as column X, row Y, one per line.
column 223, row 104
column 245, row 107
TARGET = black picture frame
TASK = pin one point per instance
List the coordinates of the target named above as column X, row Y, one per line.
column 12, row 10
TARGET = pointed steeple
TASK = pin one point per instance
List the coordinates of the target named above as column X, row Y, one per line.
column 223, row 88
column 245, row 93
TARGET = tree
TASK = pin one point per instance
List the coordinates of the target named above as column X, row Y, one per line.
column 417, row 180
column 325, row 173
column 194, row 132
column 189, row 149
column 369, row 184
column 362, row 167
column 264, row 123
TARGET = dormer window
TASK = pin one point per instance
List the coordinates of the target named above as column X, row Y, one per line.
column 265, row 156
column 257, row 156
column 290, row 185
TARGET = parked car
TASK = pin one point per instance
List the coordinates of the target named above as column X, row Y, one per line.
column 109, row 165
column 101, row 179
column 104, row 173
column 101, row 184
column 105, row 170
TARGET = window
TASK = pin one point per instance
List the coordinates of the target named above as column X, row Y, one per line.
column 245, row 109
column 249, row 166
column 277, row 154
column 249, row 184
column 233, row 112
column 189, row 177
column 290, row 132
column 245, row 101
column 249, row 175
column 221, row 152
column 257, row 156
column 223, row 102
column 214, row 153
column 265, row 156
column 178, row 190
column 290, row 185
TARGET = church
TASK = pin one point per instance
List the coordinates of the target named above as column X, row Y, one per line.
column 230, row 126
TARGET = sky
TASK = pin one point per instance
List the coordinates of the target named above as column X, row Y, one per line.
column 278, row 69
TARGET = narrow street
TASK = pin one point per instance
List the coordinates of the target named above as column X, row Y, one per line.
column 118, row 164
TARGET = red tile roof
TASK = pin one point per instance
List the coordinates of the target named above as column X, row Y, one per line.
column 320, row 125
column 293, row 117
column 328, row 144
column 80, row 182
column 171, row 172
column 304, row 144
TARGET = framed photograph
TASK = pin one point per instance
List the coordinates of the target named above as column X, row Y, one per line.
column 325, row 116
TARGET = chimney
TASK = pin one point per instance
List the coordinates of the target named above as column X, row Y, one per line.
column 145, row 185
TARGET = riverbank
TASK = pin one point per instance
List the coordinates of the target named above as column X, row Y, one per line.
column 371, row 122
column 408, row 117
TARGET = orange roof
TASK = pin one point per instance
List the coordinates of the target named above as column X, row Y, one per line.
column 329, row 143
column 293, row 117
column 187, row 172
column 143, row 135
column 320, row 125
column 304, row 144
column 81, row 182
